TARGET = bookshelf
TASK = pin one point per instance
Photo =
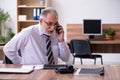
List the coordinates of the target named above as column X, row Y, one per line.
column 25, row 12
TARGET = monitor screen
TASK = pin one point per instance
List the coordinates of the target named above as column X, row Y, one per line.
column 92, row 27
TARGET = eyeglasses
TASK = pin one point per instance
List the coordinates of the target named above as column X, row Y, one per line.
column 51, row 24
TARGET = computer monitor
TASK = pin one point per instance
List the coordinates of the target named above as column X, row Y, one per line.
column 92, row 27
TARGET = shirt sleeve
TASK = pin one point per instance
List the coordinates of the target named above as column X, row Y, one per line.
column 64, row 51
column 12, row 47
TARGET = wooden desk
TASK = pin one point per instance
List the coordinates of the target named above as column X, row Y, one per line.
column 74, row 31
column 111, row 46
column 106, row 42
column 112, row 72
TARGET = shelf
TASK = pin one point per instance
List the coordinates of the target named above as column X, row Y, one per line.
column 29, row 21
column 25, row 11
column 31, row 6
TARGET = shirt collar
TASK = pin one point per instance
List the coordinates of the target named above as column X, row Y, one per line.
column 40, row 30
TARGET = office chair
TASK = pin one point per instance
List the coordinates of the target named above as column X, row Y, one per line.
column 6, row 60
column 82, row 49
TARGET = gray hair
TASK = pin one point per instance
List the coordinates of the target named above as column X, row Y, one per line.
column 44, row 12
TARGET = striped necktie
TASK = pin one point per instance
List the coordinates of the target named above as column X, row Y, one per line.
column 49, row 50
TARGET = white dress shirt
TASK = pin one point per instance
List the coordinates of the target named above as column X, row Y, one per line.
column 32, row 45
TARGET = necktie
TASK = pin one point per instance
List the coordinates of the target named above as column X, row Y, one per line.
column 49, row 51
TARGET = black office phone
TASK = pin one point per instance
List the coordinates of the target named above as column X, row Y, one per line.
column 63, row 69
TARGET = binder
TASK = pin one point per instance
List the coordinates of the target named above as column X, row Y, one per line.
column 34, row 14
column 38, row 13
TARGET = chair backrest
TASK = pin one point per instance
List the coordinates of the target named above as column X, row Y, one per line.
column 80, row 47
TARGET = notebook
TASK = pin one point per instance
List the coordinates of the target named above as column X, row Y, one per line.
column 15, row 70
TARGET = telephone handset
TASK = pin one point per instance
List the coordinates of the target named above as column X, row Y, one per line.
column 67, row 69
column 57, row 29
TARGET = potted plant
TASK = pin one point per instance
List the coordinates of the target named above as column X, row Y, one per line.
column 4, row 16
column 109, row 33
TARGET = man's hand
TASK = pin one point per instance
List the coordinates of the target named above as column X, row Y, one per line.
column 60, row 35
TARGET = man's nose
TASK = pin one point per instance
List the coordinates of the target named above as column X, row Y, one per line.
column 53, row 27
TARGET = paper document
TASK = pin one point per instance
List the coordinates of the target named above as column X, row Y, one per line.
column 32, row 67
column 23, row 69
column 15, row 70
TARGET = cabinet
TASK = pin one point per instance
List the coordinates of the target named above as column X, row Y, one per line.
column 25, row 10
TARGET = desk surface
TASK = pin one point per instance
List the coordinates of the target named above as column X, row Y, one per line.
column 106, row 42
column 116, row 41
column 112, row 72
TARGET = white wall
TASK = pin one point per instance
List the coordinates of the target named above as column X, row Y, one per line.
column 74, row 11
column 10, row 6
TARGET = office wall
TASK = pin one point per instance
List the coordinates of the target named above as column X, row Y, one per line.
column 74, row 11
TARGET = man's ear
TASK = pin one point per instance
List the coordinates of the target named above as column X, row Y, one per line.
column 40, row 21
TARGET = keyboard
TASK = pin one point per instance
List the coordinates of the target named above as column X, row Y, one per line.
column 46, row 66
